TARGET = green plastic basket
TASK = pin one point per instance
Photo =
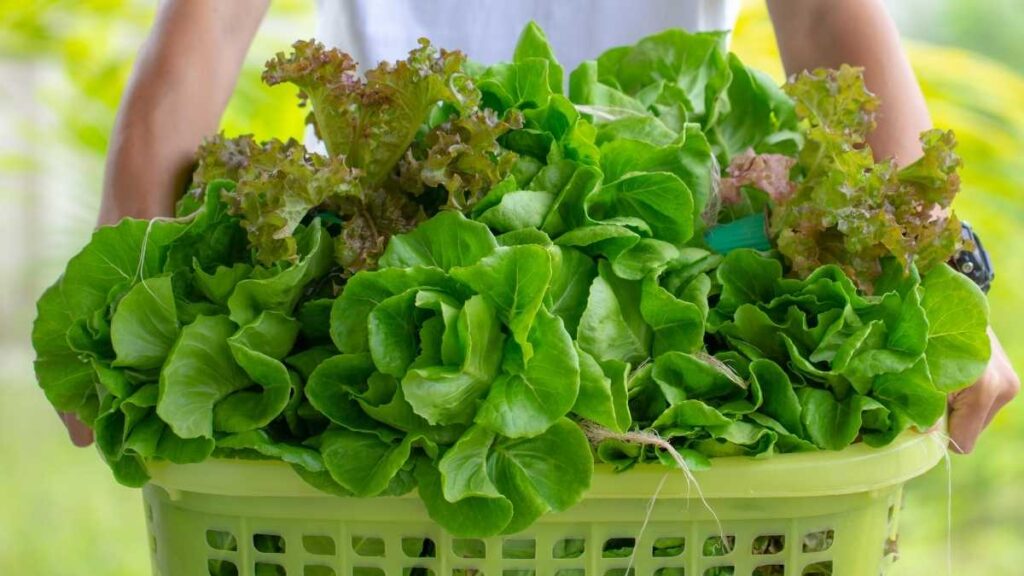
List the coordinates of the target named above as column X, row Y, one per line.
column 793, row 514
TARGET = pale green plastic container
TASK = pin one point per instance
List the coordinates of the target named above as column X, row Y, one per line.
column 792, row 514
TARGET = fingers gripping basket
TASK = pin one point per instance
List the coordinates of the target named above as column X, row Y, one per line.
column 790, row 515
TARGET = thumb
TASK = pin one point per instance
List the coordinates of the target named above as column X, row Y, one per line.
column 81, row 435
column 968, row 412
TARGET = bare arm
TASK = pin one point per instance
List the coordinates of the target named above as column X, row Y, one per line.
column 179, row 88
column 826, row 33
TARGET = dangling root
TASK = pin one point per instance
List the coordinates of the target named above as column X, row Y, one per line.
column 944, row 440
column 188, row 219
column 597, row 434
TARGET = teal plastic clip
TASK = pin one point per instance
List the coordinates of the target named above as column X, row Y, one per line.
column 748, row 232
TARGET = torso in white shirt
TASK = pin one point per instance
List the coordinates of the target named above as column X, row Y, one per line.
column 487, row 30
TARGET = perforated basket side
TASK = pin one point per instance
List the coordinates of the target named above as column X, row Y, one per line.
column 274, row 525
column 310, row 536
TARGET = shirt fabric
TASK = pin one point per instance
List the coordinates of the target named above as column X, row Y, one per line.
column 487, row 30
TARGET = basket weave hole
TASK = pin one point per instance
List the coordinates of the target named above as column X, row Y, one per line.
column 318, row 544
column 268, row 569
column 519, row 572
column 268, row 543
column 618, row 548
column 469, row 548
column 767, row 544
column 571, row 572
column 568, row 548
column 221, row 540
column 419, row 548
column 668, row 547
column 720, row 571
column 673, row 571
column 222, row 568
column 620, row 572
column 522, row 549
column 770, row 570
column 819, row 541
column 317, row 570
column 890, row 549
column 369, row 546
column 719, row 546
column 818, row 569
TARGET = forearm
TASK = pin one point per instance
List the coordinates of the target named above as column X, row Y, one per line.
column 178, row 90
column 827, row 33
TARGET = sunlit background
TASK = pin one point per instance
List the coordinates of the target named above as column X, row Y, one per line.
column 62, row 68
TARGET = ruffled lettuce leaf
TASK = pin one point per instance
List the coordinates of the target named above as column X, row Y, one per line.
column 848, row 209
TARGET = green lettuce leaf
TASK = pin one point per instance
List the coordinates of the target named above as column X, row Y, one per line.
column 363, row 292
column 571, row 275
column 830, row 423
column 612, row 326
column 449, row 394
column 260, row 442
column 281, row 289
column 527, row 403
column 696, row 63
column 761, row 116
column 474, row 516
column 364, row 463
column 602, row 394
column 445, row 241
column 258, row 348
column 958, row 343
column 332, row 389
column 513, row 280
column 115, row 258
column 200, row 372
column 145, row 325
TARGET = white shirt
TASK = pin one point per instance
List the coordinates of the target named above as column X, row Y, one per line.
column 487, row 30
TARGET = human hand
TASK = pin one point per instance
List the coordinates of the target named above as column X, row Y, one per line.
column 81, row 435
column 972, row 409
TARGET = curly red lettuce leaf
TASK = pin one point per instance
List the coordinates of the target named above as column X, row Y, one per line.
column 461, row 155
column 372, row 122
column 407, row 129
column 847, row 209
column 407, row 140
column 278, row 184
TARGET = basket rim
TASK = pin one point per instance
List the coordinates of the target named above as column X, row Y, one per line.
column 856, row 469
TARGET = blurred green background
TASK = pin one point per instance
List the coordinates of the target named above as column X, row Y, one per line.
column 63, row 65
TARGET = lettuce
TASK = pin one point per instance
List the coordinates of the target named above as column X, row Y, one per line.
column 851, row 211
column 427, row 131
column 486, row 285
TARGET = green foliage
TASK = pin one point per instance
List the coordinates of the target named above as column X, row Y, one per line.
column 96, row 54
column 975, row 97
column 380, row 337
